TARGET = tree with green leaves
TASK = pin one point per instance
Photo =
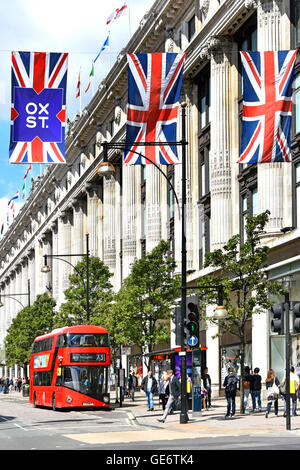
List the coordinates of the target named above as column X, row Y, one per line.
column 239, row 267
column 29, row 323
column 145, row 300
column 74, row 310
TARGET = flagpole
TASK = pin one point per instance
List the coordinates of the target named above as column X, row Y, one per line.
column 129, row 19
column 80, row 104
column 109, row 49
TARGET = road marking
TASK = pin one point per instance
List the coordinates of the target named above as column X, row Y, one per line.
column 21, row 427
column 129, row 436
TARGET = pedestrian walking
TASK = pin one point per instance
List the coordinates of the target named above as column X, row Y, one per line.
column 149, row 386
column 19, row 384
column 294, row 387
column 255, row 389
column 6, row 385
column 174, row 393
column 207, row 385
column 132, row 384
column 247, row 381
column 272, row 386
column 230, row 384
column 203, row 395
column 162, row 390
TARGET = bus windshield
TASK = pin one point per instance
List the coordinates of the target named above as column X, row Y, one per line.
column 90, row 380
column 83, row 340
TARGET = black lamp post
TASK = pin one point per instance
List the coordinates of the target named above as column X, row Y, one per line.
column 46, row 269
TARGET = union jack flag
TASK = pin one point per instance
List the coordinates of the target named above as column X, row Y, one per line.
column 267, row 106
column 38, row 107
column 154, row 84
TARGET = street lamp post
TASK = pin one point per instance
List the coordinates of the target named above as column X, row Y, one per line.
column 184, row 406
column 46, row 269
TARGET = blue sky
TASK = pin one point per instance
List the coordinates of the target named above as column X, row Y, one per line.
column 72, row 26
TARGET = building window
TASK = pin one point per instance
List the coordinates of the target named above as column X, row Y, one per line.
column 204, row 171
column 249, row 207
column 203, row 162
column 191, row 27
column 204, row 237
column 295, row 14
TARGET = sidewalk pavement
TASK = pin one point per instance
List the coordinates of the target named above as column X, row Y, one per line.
column 211, row 422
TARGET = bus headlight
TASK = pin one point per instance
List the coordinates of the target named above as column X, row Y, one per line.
column 69, row 399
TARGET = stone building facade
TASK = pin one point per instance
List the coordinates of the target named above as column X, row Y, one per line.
column 129, row 213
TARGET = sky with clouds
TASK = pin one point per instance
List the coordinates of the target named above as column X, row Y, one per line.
column 72, row 26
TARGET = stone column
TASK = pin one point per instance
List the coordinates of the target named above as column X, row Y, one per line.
column 129, row 217
column 78, row 245
column 46, row 278
column 19, row 289
column 109, row 229
column 31, row 273
column 220, row 162
column 6, row 304
column 92, row 214
column 66, row 249
column 11, row 298
column 2, row 314
column 118, row 270
column 54, row 263
column 25, row 277
column 272, row 178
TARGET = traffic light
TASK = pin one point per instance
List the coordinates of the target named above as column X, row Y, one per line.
column 277, row 321
column 296, row 317
column 192, row 321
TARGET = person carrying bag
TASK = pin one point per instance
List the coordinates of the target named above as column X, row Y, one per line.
column 272, row 385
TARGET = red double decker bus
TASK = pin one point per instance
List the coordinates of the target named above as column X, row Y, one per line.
column 69, row 367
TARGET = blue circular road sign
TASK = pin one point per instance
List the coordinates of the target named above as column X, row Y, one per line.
column 193, row 340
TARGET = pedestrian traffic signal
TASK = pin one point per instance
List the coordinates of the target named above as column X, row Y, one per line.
column 277, row 320
column 192, row 321
column 296, row 317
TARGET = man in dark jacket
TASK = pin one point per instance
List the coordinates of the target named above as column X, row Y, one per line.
column 149, row 385
column 207, row 385
column 174, row 393
column 255, row 389
column 230, row 384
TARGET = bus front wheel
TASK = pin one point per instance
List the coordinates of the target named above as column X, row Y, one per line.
column 34, row 400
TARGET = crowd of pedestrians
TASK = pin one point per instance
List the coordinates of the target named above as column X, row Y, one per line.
column 8, row 384
column 253, row 387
